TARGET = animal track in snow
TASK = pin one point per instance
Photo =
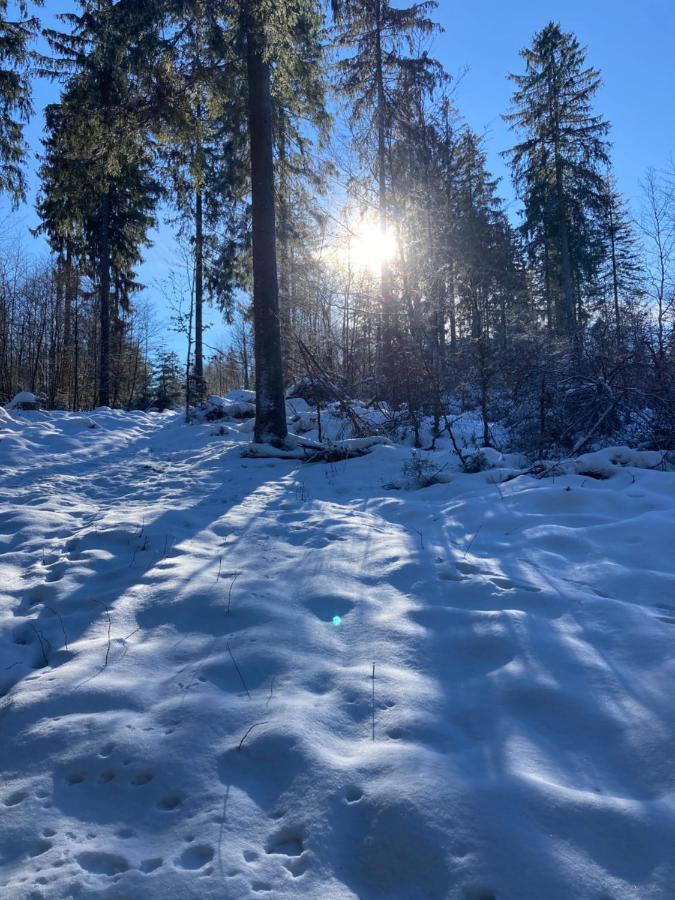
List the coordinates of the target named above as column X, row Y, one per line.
column 99, row 863
column 40, row 847
column 169, row 802
column 195, row 857
column 141, row 778
column 287, row 841
column 15, row 798
column 151, row 865
column 75, row 778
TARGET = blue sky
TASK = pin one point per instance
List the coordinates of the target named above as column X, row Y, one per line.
column 630, row 42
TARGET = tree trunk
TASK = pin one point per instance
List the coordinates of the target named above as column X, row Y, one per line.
column 270, row 424
column 198, row 370
column 566, row 317
column 284, row 250
column 104, row 304
column 385, row 271
column 615, row 279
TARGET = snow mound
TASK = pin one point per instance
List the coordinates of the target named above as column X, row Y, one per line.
column 605, row 463
column 227, row 408
column 23, row 400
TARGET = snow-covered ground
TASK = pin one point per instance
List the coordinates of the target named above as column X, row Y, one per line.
column 187, row 643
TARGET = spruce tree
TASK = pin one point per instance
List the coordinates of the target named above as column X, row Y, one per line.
column 381, row 46
column 15, row 97
column 558, row 166
column 202, row 147
column 102, row 123
column 623, row 271
column 278, row 42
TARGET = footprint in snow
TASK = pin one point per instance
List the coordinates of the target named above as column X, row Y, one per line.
column 353, row 794
column 195, row 856
column 287, row 841
column 141, row 778
column 99, row 863
column 169, row 802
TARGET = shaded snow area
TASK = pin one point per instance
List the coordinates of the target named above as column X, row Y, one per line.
column 187, row 642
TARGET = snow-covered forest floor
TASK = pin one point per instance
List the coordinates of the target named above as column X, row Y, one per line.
column 187, row 643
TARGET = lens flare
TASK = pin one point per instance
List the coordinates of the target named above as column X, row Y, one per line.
column 370, row 247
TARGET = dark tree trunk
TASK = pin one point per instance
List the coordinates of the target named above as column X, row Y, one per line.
column 199, row 297
column 615, row 281
column 385, row 277
column 104, row 304
column 566, row 312
column 284, row 251
column 270, row 425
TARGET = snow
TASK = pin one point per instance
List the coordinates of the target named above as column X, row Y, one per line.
column 183, row 715
column 22, row 398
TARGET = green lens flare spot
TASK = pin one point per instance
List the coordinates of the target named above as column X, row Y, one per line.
column 337, row 621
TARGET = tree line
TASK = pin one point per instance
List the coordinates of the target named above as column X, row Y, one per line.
column 270, row 132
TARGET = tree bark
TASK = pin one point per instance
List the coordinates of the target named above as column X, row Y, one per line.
column 199, row 296
column 104, row 303
column 270, row 425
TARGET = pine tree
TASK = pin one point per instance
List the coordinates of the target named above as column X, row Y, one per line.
column 558, row 167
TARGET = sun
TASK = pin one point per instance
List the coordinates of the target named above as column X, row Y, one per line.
column 370, row 247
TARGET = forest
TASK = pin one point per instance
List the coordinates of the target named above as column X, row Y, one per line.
column 330, row 199
column 337, row 450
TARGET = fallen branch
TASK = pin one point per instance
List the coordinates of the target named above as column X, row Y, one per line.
column 312, row 451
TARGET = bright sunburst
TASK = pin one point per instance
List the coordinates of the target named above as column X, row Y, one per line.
column 369, row 247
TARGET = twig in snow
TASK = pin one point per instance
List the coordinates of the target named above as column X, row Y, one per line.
column 373, row 702
column 220, row 565
column 131, row 634
column 470, row 544
column 255, row 725
column 63, row 627
column 271, row 691
column 43, row 640
column 107, row 652
column 229, row 593
column 421, row 537
column 234, row 661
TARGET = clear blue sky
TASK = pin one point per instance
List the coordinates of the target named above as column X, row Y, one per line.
column 632, row 43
